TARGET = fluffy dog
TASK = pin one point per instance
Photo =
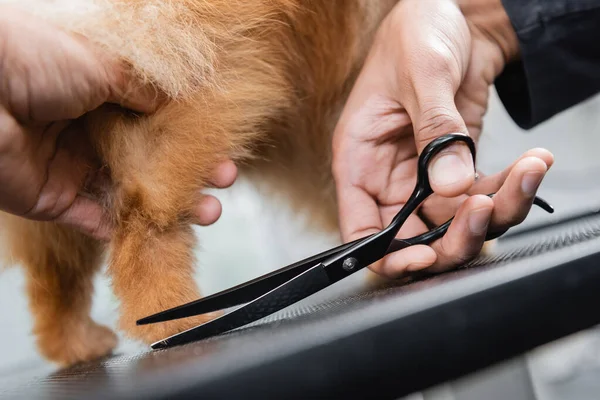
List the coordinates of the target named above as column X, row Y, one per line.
column 260, row 81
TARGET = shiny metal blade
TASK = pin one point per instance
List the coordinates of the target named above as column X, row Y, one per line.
column 277, row 299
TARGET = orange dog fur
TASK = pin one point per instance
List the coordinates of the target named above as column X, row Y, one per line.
column 261, row 81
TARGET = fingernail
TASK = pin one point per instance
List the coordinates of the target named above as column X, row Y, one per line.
column 452, row 166
column 530, row 183
column 479, row 221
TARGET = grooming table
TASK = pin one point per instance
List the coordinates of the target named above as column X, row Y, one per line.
column 388, row 339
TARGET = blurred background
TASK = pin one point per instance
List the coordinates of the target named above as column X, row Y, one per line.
column 262, row 236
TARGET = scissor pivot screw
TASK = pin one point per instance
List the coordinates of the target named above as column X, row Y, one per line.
column 349, row 263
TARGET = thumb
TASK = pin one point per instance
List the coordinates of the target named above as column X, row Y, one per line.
column 128, row 90
column 433, row 114
column 125, row 87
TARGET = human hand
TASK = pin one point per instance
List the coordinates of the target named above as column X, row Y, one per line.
column 428, row 74
column 48, row 79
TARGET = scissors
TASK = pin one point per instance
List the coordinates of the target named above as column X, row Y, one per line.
column 277, row 290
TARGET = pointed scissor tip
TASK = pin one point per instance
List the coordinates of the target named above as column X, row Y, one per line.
column 159, row 345
column 145, row 321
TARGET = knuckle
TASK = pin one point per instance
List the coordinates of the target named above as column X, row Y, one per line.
column 435, row 122
column 440, row 58
column 444, row 53
column 436, row 60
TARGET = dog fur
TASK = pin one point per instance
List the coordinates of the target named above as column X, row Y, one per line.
column 260, row 81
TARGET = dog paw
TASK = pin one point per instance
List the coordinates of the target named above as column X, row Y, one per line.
column 73, row 343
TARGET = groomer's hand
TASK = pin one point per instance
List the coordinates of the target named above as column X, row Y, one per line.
column 428, row 74
column 49, row 78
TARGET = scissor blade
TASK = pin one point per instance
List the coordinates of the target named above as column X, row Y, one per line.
column 231, row 297
column 277, row 299
column 242, row 293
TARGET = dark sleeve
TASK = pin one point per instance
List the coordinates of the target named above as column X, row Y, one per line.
column 560, row 58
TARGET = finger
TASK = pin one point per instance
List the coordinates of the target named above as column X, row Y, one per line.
column 434, row 114
column 129, row 92
column 492, row 183
column 514, row 200
column 224, row 175
column 64, row 178
column 466, row 234
column 47, row 139
column 88, row 217
column 413, row 258
column 357, row 209
column 358, row 215
column 438, row 209
column 208, row 211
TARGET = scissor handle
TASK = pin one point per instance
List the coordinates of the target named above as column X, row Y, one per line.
column 433, row 149
column 376, row 246
column 436, row 233
column 423, row 188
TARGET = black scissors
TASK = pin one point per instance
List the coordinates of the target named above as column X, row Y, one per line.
column 279, row 289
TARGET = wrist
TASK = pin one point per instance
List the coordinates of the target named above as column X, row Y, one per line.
column 490, row 18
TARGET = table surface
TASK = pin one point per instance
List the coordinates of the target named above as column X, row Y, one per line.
column 390, row 339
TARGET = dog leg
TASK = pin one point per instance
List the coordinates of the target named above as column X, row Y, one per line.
column 59, row 264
